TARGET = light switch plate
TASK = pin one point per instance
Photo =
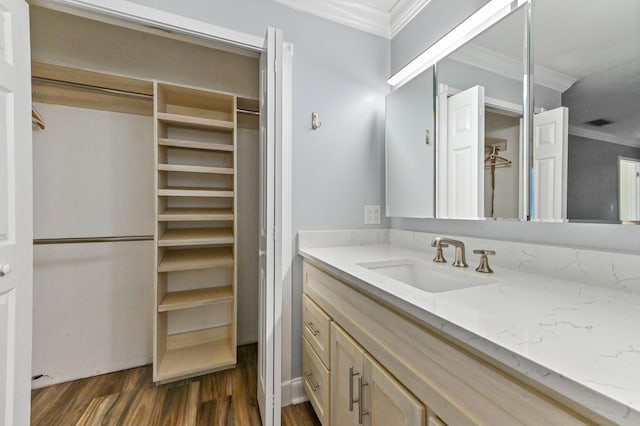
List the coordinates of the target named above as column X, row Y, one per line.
column 372, row 215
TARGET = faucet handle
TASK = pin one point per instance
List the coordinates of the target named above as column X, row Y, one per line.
column 484, row 260
column 439, row 255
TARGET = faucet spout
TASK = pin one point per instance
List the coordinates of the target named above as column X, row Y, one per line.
column 460, row 259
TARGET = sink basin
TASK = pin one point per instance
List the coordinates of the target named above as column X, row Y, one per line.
column 428, row 276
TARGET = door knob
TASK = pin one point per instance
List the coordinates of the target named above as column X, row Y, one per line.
column 5, row 269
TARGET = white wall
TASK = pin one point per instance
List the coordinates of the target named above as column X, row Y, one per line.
column 93, row 303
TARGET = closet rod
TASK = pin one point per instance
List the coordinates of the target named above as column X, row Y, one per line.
column 44, row 241
column 93, row 88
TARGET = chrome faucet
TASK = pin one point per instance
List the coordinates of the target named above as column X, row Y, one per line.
column 460, row 261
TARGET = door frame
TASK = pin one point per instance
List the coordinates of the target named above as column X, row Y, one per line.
column 143, row 17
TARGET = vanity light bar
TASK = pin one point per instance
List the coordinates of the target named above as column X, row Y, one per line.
column 485, row 17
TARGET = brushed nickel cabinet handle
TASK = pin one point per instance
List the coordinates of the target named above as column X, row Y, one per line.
column 351, row 400
column 314, row 386
column 309, row 325
column 361, row 412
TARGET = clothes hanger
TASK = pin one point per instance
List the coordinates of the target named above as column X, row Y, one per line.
column 495, row 160
column 36, row 118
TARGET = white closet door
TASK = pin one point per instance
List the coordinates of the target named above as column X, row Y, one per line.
column 16, row 208
column 550, row 143
column 270, row 293
column 465, row 151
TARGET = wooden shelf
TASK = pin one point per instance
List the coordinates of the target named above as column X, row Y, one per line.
column 195, row 214
column 196, row 122
column 186, row 191
column 204, row 146
column 201, row 258
column 194, row 298
column 204, row 164
column 195, row 237
column 196, row 359
column 195, row 169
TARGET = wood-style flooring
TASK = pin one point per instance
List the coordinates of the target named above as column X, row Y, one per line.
column 129, row 397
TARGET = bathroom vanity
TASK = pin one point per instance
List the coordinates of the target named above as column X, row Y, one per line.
column 510, row 347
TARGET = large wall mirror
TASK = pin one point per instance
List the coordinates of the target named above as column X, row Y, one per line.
column 580, row 161
column 586, row 151
column 410, row 149
column 479, row 113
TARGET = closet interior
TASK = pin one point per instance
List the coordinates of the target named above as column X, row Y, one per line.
column 145, row 200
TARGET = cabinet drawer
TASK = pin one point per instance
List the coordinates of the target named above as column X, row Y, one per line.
column 315, row 328
column 316, row 382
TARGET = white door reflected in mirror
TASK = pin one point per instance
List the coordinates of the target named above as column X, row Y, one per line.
column 629, row 186
column 550, row 136
column 461, row 154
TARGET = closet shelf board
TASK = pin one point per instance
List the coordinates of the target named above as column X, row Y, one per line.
column 203, row 146
column 186, row 191
column 196, row 122
column 195, row 298
column 195, row 214
column 201, row 258
column 197, row 359
column 195, row 236
column 195, row 169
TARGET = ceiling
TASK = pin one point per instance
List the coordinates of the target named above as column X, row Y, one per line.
column 381, row 17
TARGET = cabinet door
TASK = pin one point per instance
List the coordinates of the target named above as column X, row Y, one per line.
column 386, row 401
column 347, row 361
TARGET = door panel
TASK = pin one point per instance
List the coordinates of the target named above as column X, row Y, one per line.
column 465, row 151
column 550, row 142
column 387, row 401
column 16, row 214
column 347, row 362
column 270, row 308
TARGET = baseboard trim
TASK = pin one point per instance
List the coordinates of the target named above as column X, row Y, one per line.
column 293, row 392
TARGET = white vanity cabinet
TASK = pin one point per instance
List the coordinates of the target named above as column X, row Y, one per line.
column 387, row 368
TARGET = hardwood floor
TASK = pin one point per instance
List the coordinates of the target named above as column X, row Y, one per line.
column 130, row 398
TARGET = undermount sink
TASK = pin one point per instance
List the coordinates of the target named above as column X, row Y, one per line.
column 428, row 276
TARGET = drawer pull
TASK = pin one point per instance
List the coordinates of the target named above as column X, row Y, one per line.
column 313, row 331
column 351, row 400
column 361, row 412
column 314, row 386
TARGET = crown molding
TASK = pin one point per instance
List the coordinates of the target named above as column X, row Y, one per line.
column 345, row 12
column 403, row 12
column 360, row 16
column 498, row 63
column 577, row 130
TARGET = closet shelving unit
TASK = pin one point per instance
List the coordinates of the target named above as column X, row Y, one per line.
column 196, row 181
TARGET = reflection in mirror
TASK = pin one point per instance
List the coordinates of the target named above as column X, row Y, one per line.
column 479, row 104
column 586, row 145
column 410, row 149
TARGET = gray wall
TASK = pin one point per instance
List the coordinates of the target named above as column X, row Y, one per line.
column 341, row 73
column 435, row 20
column 592, row 178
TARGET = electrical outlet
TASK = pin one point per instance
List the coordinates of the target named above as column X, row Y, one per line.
column 372, row 215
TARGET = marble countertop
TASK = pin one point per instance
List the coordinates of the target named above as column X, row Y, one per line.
column 579, row 340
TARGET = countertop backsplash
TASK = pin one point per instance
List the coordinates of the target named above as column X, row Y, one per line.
column 610, row 270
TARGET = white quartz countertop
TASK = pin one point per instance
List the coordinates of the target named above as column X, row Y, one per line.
column 579, row 340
